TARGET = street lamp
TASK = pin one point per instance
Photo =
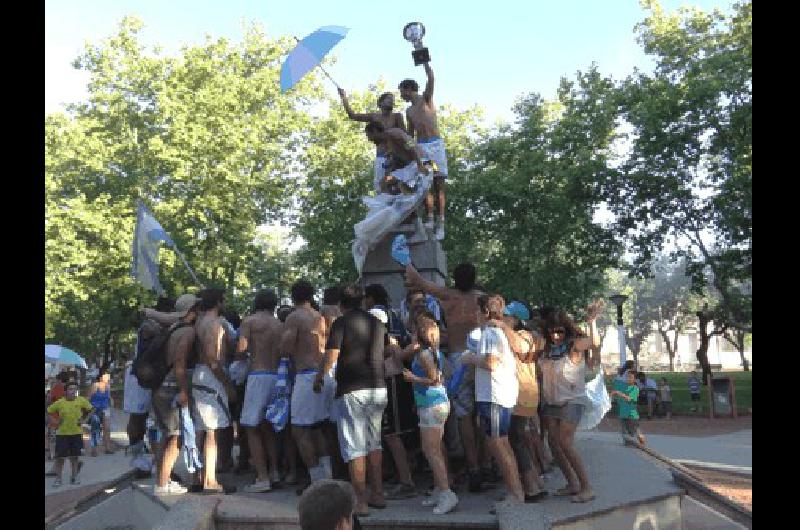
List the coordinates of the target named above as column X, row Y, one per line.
column 618, row 300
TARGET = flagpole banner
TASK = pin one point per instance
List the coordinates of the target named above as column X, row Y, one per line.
column 147, row 237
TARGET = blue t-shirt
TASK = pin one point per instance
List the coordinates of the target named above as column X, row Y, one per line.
column 694, row 385
column 428, row 396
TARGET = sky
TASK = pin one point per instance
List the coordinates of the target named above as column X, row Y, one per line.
column 488, row 54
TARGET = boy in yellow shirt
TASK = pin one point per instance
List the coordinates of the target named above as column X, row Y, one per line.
column 71, row 409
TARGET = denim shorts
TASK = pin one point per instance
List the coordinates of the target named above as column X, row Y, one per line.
column 569, row 411
column 494, row 419
column 434, row 416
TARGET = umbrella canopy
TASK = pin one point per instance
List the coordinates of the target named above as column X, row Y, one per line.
column 64, row 356
column 308, row 53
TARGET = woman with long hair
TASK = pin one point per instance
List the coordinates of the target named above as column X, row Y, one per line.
column 433, row 408
column 563, row 367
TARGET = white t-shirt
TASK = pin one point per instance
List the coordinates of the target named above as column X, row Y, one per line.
column 500, row 385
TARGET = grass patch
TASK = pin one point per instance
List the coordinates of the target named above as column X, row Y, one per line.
column 681, row 399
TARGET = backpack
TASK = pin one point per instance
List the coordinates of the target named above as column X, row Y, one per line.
column 150, row 366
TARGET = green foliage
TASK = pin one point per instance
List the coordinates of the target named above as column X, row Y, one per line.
column 688, row 177
column 522, row 208
column 205, row 138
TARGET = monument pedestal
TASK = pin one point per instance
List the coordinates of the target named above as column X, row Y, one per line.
column 427, row 256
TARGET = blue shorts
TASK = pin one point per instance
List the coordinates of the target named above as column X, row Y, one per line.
column 494, row 419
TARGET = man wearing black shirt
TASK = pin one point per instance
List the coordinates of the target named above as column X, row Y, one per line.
column 355, row 345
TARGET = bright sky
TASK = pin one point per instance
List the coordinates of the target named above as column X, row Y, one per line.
column 487, row 54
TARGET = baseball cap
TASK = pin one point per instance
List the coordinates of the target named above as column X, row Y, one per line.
column 185, row 303
column 517, row 309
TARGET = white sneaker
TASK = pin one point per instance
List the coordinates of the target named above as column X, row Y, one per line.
column 171, row 488
column 447, row 501
column 258, row 487
column 429, row 225
column 433, row 500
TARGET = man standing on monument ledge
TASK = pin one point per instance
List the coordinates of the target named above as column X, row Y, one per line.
column 423, row 123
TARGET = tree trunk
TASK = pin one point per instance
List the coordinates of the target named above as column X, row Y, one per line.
column 670, row 350
column 702, row 351
column 107, row 350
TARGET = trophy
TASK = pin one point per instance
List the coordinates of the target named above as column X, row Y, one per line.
column 413, row 33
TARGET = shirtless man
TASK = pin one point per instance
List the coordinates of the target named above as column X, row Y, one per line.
column 303, row 340
column 211, row 387
column 260, row 334
column 179, row 348
column 422, row 122
column 404, row 156
column 461, row 311
column 389, row 120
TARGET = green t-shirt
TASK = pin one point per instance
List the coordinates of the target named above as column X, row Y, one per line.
column 70, row 413
column 628, row 409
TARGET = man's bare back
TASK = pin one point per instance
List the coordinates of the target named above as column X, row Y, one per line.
column 185, row 334
column 330, row 313
column 210, row 335
column 304, row 338
column 260, row 334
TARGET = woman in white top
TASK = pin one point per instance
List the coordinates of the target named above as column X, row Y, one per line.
column 563, row 367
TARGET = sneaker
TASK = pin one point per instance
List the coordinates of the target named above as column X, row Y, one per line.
column 171, row 488
column 447, row 501
column 429, row 224
column 75, row 480
column 440, row 233
column 259, row 486
column 433, row 500
column 402, row 491
column 57, row 483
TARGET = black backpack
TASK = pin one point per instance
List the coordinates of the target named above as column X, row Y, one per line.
column 150, row 366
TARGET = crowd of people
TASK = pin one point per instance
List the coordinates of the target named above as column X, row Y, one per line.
column 315, row 391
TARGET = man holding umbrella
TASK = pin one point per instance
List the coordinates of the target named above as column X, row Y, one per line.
column 389, row 119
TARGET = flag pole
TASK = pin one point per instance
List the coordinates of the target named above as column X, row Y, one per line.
column 183, row 259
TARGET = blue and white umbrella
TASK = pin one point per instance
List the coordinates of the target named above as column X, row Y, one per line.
column 309, row 53
column 64, row 356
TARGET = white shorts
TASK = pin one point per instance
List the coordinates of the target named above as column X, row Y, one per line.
column 408, row 175
column 211, row 401
column 257, row 395
column 434, row 150
column 359, row 424
column 136, row 400
column 308, row 407
column 379, row 172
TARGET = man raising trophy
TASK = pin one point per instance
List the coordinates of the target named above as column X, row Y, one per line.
column 422, row 124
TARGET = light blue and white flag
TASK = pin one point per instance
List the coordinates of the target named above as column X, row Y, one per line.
column 147, row 236
column 278, row 410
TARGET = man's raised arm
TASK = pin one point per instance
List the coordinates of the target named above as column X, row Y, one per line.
column 349, row 110
column 428, row 94
column 413, row 279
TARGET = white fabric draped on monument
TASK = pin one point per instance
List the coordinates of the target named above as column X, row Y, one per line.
column 385, row 213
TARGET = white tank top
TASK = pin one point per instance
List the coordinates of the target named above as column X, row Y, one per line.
column 562, row 380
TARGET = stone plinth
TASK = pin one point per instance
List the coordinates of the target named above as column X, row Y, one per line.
column 427, row 256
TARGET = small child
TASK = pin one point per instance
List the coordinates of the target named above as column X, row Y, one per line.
column 96, row 429
column 666, row 397
column 71, row 409
column 628, row 413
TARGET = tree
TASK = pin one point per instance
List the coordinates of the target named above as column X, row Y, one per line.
column 205, row 138
column 672, row 296
column 738, row 339
column 640, row 310
column 522, row 205
column 688, row 177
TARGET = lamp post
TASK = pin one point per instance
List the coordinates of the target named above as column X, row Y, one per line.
column 618, row 300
